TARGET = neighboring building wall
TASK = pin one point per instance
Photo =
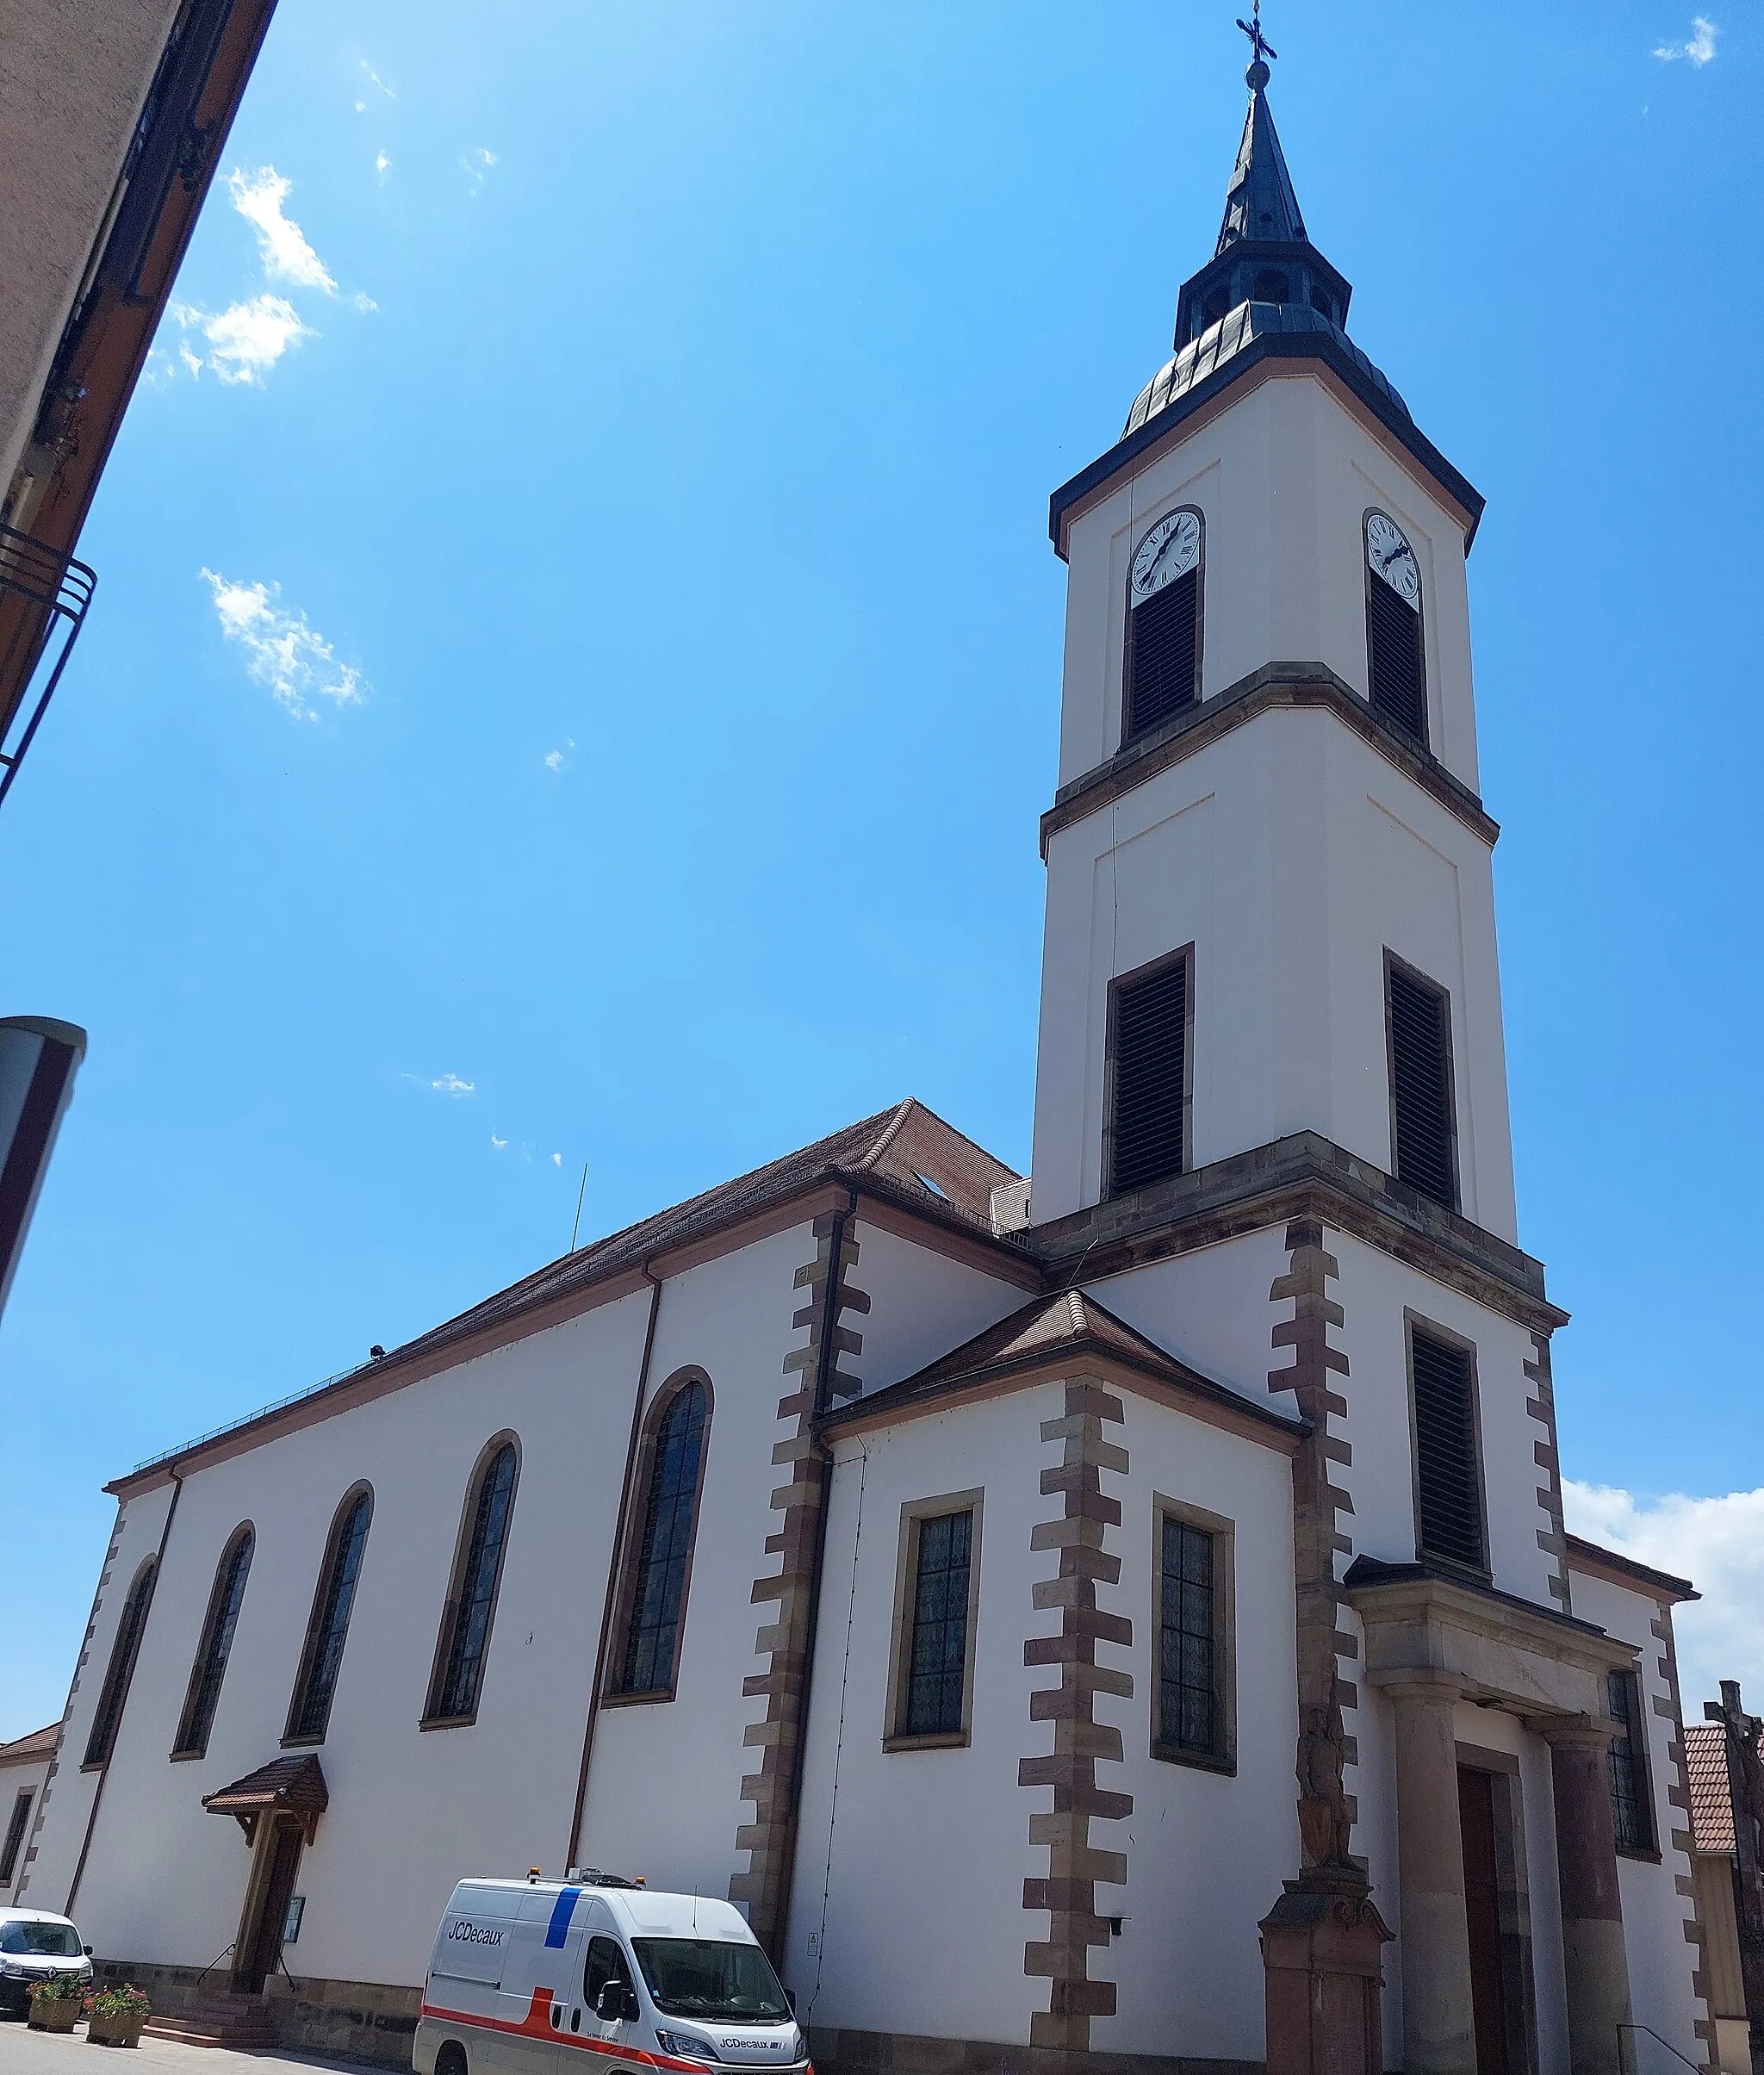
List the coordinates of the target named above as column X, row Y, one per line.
column 71, row 89
column 1661, row 1927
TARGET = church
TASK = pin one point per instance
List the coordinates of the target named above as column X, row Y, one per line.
column 1119, row 1619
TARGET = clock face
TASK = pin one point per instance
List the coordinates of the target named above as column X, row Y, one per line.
column 1389, row 555
column 1171, row 549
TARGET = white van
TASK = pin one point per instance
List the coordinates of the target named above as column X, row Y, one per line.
column 556, row 1978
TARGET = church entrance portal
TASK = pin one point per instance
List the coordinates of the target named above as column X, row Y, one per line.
column 266, row 1907
column 1488, row 1987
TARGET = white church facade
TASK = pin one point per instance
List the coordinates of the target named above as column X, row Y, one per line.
column 1123, row 1612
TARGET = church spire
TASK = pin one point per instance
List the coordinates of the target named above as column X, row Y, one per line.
column 1264, row 254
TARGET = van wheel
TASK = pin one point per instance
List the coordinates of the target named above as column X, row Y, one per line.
column 450, row 2060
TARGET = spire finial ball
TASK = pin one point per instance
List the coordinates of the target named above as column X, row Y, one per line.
column 1257, row 77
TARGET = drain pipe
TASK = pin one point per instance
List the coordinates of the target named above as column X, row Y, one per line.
column 140, row 1644
column 824, row 1371
column 615, row 1567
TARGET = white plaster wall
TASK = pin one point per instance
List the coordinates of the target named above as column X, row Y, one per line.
column 921, row 1305
column 914, row 1906
column 413, row 1811
column 1292, row 855
column 1207, row 1853
column 1283, row 476
column 1211, row 1309
column 1654, row 1912
column 664, row 1785
column 58, row 1826
column 920, row 1925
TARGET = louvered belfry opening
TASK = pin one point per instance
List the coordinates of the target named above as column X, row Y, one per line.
column 1395, row 667
column 1148, row 1108
column 1164, row 653
column 1420, row 1086
column 1447, row 1487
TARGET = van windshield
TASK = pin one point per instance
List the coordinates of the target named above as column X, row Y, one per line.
column 706, row 1978
column 47, row 1941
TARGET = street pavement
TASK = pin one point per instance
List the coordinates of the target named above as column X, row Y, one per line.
column 23, row 2052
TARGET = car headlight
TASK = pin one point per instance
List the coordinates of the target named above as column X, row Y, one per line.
column 11, row 1968
column 685, row 2046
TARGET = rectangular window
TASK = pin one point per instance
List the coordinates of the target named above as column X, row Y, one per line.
column 1396, row 672
column 931, row 1677
column 1632, row 1818
column 1448, row 1480
column 1423, row 1140
column 14, row 1836
column 1193, row 1718
column 1162, row 654
column 1149, row 1018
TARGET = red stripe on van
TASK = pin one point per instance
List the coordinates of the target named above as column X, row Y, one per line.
column 537, row 2024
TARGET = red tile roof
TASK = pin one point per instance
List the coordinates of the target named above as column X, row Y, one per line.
column 1705, row 1774
column 40, row 1743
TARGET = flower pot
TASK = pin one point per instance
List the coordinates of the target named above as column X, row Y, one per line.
column 114, row 2029
column 57, row 2017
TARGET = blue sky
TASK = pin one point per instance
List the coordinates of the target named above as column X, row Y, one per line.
column 575, row 667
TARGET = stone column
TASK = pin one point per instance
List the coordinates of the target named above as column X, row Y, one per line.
column 1438, row 2014
column 1593, row 1959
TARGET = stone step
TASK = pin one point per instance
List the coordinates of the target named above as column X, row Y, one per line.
column 230, row 2021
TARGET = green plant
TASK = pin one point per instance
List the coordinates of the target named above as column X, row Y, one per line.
column 128, row 2001
column 57, row 1988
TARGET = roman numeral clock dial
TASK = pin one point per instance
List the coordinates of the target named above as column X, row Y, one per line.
column 1389, row 555
column 1171, row 549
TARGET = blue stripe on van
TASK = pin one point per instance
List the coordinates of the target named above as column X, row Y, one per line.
column 558, row 1930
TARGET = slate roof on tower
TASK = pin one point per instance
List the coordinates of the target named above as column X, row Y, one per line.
column 1267, row 293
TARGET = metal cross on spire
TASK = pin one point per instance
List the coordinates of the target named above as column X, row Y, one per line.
column 1259, row 45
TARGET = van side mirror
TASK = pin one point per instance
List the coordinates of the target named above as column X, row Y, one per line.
column 87, row 1950
column 616, row 2000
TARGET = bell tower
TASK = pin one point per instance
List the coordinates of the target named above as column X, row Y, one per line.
column 1269, row 903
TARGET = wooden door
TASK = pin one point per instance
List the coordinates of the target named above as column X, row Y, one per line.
column 261, row 1947
column 1475, row 1805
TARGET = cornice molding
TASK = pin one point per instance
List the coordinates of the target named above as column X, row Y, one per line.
column 1275, row 685
column 1303, row 1176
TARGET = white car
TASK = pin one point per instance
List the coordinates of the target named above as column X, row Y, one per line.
column 531, row 1976
column 34, row 1945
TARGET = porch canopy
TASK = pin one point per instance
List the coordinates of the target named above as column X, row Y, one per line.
column 289, row 1787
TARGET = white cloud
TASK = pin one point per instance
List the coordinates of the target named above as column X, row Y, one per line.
column 382, row 165
column 557, row 1159
column 1718, row 1544
column 500, row 1145
column 239, row 343
column 376, row 80
column 281, row 242
column 477, row 162
column 363, row 303
column 281, row 651
column 451, row 1083
column 1699, row 49
column 556, row 759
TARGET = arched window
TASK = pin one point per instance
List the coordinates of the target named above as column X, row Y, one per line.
column 321, row 1659
column 1271, row 286
column 1163, row 623
column 210, row 1666
column 124, row 1652
column 465, row 1624
column 1396, row 667
column 656, row 1598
